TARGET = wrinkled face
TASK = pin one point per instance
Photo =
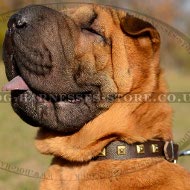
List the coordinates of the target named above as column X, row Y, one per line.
column 56, row 61
column 62, row 65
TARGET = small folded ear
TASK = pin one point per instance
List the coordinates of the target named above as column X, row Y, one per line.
column 136, row 27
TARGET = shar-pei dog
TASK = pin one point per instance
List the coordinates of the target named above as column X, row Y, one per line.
column 75, row 73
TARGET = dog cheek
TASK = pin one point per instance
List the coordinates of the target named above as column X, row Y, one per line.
column 102, row 58
column 84, row 44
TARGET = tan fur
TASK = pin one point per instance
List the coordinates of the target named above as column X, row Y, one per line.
column 130, row 65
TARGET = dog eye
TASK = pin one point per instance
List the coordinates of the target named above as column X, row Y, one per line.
column 91, row 30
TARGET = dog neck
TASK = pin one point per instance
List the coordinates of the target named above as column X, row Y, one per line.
column 131, row 123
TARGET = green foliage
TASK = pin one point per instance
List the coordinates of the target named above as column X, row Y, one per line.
column 3, row 28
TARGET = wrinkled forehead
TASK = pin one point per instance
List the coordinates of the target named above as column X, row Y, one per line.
column 105, row 15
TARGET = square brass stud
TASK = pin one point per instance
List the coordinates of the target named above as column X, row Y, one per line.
column 121, row 150
column 154, row 148
column 140, row 149
column 103, row 152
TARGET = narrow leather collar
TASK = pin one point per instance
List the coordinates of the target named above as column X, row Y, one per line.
column 120, row 150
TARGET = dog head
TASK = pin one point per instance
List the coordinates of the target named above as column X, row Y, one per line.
column 63, row 66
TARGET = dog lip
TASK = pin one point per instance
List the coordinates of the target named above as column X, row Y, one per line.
column 16, row 83
column 64, row 98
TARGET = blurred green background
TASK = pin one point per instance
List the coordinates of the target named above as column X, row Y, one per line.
column 17, row 139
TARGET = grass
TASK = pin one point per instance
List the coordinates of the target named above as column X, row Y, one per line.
column 17, row 138
column 17, row 149
column 179, row 82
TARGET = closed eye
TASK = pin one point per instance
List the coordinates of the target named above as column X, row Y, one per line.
column 94, row 32
column 91, row 30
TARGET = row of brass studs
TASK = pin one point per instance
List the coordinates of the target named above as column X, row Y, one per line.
column 121, row 150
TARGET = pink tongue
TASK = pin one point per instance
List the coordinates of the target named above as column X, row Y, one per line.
column 15, row 84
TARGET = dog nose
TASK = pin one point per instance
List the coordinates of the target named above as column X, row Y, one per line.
column 17, row 21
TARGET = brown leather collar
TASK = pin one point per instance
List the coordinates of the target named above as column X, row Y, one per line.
column 120, row 150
